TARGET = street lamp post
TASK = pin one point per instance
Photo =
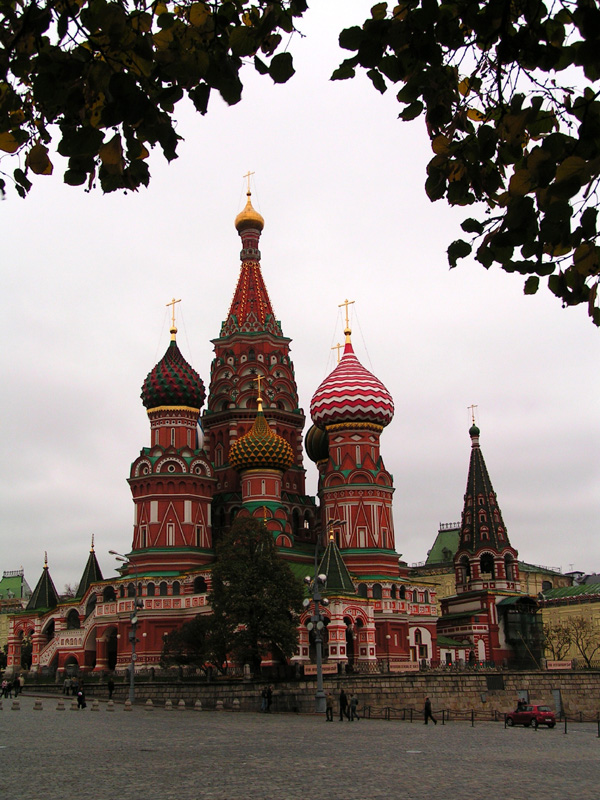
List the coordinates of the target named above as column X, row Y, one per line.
column 133, row 618
column 316, row 585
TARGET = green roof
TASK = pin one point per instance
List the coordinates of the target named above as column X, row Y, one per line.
column 14, row 585
column 446, row 540
column 581, row 590
column 338, row 578
column 446, row 641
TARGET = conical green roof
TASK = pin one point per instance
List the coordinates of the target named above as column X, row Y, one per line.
column 338, row 578
column 45, row 594
column 91, row 574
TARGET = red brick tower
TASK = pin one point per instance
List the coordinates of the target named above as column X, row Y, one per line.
column 251, row 345
column 172, row 481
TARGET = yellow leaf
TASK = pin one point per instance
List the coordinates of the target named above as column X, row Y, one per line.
column 573, row 166
column 521, row 183
column 8, row 143
column 143, row 152
column 558, row 250
column 111, row 155
column 475, row 115
column 440, row 144
column 160, row 8
column 37, row 160
column 585, row 259
column 163, row 39
column 457, row 171
column 198, row 14
column 464, row 87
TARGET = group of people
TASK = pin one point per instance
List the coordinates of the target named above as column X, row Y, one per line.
column 12, row 686
column 71, row 686
column 348, row 707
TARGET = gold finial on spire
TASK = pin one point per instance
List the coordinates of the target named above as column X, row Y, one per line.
column 92, row 547
column 472, row 410
column 347, row 330
column 264, row 515
column 45, row 559
column 337, row 347
column 257, row 380
column 173, row 328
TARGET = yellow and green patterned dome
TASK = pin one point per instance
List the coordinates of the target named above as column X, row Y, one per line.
column 261, row 448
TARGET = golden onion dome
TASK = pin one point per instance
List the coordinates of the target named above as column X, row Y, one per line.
column 261, row 448
column 249, row 217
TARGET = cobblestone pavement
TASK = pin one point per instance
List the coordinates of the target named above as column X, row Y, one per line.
column 189, row 755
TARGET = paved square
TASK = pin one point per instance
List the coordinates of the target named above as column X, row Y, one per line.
column 189, row 755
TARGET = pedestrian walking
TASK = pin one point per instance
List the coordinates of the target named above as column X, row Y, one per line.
column 81, row 698
column 111, row 687
column 427, row 712
column 269, row 699
column 354, row 708
column 343, row 705
column 329, row 707
column 263, row 700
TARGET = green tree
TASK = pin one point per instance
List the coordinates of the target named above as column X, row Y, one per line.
column 203, row 642
column 104, row 77
column 256, row 594
column 508, row 90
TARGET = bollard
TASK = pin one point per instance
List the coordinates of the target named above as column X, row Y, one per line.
column 60, row 706
column 95, row 705
column 198, row 706
column 168, row 705
column 37, row 706
column 181, row 705
column 219, row 705
column 127, row 706
column 110, row 706
column 16, row 705
column 235, row 706
column 74, row 706
column 149, row 705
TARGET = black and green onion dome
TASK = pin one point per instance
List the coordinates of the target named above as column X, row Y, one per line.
column 474, row 430
column 316, row 444
column 173, row 382
column 261, row 448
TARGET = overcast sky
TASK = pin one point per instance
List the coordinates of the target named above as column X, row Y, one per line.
column 339, row 181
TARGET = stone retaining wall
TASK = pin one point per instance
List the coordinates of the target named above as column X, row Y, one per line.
column 483, row 692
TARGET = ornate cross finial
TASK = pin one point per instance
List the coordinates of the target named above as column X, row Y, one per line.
column 264, row 515
column 45, row 559
column 92, row 548
column 173, row 328
column 258, row 380
column 347, row 330
column 472, row 410
column 337, row 347
column 247, row 176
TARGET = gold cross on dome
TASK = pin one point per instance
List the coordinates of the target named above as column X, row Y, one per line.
column 346, row 303
column 472, row 410
column 257, row 380
column 337, row 347
column 247, row 176
column 172, row 303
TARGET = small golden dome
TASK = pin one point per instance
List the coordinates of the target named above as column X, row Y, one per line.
column 249, row 218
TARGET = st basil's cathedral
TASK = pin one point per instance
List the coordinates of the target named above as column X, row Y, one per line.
column 243, row 455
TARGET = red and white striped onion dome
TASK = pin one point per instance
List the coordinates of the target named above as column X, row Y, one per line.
column 351, row 394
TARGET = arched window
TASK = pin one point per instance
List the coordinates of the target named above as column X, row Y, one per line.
column 377, row 591
column 108, row 595
column 131, row 590
column 486, row 564
column 176, row 588
column 162, row 589
column 509, row 567
column 362, row 590
column 425, row 596
column 91, row 605
column 200, row 586
column 73, row 620
column 121, row 591
column 465, row 567
column 402, row 593
column 393, row 593
column 151, row 589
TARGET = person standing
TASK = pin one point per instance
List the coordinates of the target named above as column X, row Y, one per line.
column 269, row 699
column 16, row 685
column 343, row 705
column 354, row 708
column 263, row 700
column 329, row 707
column 427, row 712
column 111, row 687
column 81, row 697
